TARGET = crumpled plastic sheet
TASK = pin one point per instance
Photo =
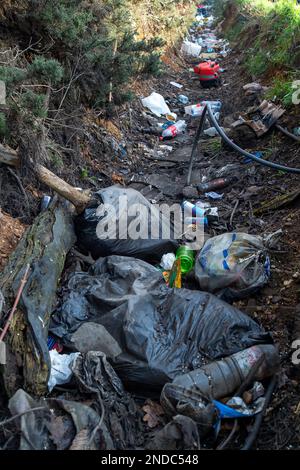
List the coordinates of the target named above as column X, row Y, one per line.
column 162, row 332
column 156, row 103
column 60, row 372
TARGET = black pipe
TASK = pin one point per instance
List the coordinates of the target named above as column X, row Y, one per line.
column 196, row 140
column 259, row 160
column 258, row 420
column 287, row 133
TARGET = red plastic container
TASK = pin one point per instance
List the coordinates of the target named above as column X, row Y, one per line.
column 209, row 72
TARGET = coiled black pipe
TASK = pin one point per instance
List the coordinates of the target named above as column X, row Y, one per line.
column 214, row 122
column 276, row 166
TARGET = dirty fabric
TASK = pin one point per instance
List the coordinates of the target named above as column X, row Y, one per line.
column 162, row 332
column 122, row 419
column 103, row 228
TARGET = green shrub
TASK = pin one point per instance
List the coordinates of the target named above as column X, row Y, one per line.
column 46, row 70
column 282, row 90
column 34, row 103
column 12, row 75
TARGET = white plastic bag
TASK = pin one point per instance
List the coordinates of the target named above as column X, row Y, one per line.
column 61, row 371
column 190, row 48
column 156, row 103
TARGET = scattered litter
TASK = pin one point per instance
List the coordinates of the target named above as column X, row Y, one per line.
column 156, row 346
column 218, row 183
column 190, row 48
column 167, row 261
column 45, row 201
column 177, row 85
column 211, row 132
column 156, row 103
column 61, row 368
column 96, row 227
column 237, row 408
column 171, row 117
column 197, row 109
column 213, row 195
column 234, row 265
column 173, row 130
column 221, row 378
column 249, row 160
column 296, row 131
column 254, row 88
column 183, row 99
column 187, row 258
column 209, row 73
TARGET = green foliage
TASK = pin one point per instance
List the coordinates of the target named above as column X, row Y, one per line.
column 34, row 103
column 3, row 125
column 12, row 76
column 276, row 45
column 46, row 70
column 55, row 158
column 98, row 38
column 67, row 20
column 84, row 173
column 282, row 90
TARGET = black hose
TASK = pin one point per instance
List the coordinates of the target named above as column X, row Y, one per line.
column 287, row 133
column 258, row 420
column 196, row 140
column 259, row 160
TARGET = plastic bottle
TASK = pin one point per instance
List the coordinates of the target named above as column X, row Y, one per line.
column 222, row 378
column 218, row 183
column 172, row 131
column 183, row 99
column 197, row 109
column 187, row 258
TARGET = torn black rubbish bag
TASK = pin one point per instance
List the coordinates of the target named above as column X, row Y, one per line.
column 162, row 332
column 105, row 227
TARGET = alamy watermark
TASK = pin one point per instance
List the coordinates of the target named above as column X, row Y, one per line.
column 296, row 353
column 127, row 221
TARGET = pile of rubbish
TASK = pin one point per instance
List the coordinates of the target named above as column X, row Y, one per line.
column 140, row 324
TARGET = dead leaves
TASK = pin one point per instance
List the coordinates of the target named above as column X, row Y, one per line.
column 153, row 414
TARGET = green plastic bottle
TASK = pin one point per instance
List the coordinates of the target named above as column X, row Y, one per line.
column 187, row 258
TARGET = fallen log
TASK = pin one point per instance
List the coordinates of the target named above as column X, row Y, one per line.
column 8, row 156
column 79, row 198
column 44, row 247
column 277, row 202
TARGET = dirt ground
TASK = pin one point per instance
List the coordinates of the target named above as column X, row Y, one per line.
column 275, row 307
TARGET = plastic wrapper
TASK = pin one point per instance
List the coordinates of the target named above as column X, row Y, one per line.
column 156, row 103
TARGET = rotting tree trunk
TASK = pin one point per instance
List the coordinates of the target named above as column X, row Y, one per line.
column 44, row 246
column 79, row 198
